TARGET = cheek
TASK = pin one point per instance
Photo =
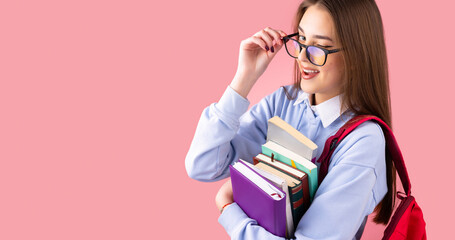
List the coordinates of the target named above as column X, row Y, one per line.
column 339, row 65
column 334, row 70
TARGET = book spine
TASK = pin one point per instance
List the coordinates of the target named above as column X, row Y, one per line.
column 296, row 203
column 300, row 202
column 297, row 195
column 306, row 193
column 280, row 218
column 300, row 195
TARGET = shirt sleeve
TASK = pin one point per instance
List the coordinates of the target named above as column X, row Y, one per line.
column 354, row 185
column 226, row 132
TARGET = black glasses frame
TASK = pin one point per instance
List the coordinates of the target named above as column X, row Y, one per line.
column 307, row 53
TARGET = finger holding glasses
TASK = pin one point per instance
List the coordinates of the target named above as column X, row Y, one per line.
column 268, row 38
column 256, row 52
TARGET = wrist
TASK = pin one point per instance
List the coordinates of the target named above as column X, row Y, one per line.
column 242, row 85
column 224, row 206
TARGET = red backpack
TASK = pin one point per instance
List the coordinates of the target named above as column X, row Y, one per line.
column 407, row 221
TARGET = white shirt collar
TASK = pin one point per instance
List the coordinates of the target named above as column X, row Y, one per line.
column 328, row 111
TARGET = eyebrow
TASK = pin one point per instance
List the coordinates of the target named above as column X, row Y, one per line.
column 318, row 36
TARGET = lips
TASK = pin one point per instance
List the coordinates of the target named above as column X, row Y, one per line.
column 308, row 73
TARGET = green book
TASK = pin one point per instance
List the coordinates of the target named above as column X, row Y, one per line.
column 291, row 158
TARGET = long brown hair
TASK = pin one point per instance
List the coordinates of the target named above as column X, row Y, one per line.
column 360, row 31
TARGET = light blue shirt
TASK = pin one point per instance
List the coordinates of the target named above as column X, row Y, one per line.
column 356, row 181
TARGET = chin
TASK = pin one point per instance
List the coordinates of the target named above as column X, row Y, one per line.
column 307, row 87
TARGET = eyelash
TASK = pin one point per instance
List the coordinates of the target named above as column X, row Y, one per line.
column 303, row 38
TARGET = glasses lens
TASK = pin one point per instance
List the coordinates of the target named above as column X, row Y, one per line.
column 293, row 48
column 316, row 55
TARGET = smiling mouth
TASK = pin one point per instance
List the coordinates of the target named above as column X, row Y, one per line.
column 308, row 73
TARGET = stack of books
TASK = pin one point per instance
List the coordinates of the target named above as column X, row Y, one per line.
column 278, row 189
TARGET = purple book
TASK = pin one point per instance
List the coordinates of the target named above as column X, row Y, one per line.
column 259, row 198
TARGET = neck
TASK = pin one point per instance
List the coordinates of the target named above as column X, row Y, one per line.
column 320, row 98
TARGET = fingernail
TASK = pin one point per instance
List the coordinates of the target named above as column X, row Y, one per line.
column 272, row 49
column 267, row 48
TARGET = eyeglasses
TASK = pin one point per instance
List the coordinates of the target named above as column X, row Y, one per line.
column 316, row 55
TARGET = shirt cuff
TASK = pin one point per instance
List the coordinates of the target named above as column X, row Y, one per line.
column 232, row 104
column 232, row 218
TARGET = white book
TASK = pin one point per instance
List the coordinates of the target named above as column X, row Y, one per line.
column 285, row 135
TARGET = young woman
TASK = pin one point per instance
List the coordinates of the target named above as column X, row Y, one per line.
column 340, row 71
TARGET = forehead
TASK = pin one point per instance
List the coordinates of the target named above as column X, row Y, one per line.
column 317, row 21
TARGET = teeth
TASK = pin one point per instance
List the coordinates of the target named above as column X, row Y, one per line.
column 310, row 71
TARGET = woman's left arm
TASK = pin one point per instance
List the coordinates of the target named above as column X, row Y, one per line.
column 354, row 185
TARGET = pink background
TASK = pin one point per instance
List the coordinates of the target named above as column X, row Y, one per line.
column 99, row 101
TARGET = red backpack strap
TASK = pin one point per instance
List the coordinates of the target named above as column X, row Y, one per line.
column 391, row 147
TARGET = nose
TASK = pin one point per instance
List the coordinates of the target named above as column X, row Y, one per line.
column 302, row 55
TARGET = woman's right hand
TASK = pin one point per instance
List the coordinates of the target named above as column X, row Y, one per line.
column 256, row 53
